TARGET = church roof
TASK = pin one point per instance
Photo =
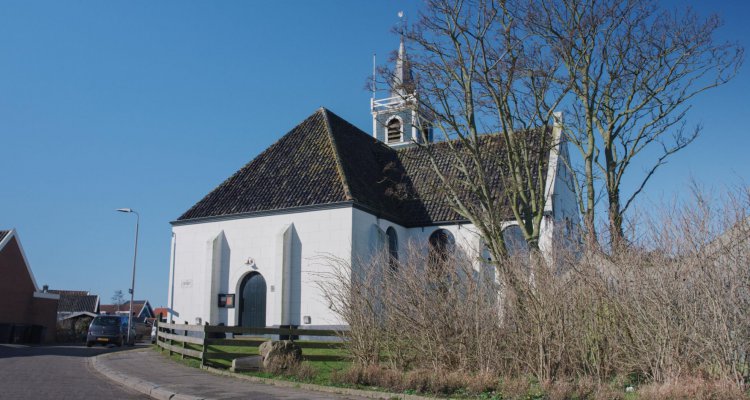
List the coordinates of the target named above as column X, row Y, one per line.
column 326, row 160
column 300, row 169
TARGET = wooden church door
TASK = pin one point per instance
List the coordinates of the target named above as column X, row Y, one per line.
column 253, row 301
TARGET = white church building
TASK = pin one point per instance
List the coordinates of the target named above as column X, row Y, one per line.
column 251, row 252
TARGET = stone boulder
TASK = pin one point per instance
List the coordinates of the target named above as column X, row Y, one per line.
column 279, row 351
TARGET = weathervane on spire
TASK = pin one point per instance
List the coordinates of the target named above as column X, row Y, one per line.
column 403, row 22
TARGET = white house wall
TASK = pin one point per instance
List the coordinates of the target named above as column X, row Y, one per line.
column 212, row 257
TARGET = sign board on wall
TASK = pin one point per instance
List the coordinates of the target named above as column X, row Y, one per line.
column 226, row 300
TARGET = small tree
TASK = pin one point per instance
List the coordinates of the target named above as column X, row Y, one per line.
column 118, row 299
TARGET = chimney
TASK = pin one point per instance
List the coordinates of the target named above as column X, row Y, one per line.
column 45, row 288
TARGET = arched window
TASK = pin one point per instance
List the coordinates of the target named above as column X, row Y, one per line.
column 393, row 129
column 515, row 243
column 442, row 244
column 390, row 234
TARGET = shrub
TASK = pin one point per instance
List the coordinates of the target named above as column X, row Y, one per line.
column 692, row 389
column 673, row 306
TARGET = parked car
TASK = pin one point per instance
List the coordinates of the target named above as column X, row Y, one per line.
column 106, row 329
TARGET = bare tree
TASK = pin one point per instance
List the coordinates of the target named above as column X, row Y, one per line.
column 118, row 299
column 633, row 69
column 625, row 70
column 477, row 73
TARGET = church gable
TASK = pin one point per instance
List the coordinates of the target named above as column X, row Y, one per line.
column 300, row 169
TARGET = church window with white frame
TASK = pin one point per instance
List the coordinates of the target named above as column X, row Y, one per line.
column 515, row 242
column 441, row 244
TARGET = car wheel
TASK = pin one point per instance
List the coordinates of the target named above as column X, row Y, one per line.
column 89, row 344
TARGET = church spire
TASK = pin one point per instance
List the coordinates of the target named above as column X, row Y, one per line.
column 403, row 80
column 396, row 120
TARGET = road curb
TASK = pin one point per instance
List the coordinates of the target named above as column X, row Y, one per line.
column 147, row 388
column 319, row 388
column 157, row 392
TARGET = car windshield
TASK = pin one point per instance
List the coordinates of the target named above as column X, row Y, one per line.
column 106, row 321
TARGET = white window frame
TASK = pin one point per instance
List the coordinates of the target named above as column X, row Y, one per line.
column 401, row 129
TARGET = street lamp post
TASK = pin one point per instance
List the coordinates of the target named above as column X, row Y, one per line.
column 135, row 256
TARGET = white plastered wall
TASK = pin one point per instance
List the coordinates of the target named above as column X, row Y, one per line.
column 213, row 257
column 369, row 229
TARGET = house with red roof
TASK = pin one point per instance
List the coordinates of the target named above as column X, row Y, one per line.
column 142, row 309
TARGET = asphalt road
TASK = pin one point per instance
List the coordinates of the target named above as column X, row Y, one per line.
column 56, row 372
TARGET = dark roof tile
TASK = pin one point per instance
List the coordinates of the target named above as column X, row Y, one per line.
column 69, row 292
column 76, row 302
column 298, row 170
column 325, row 160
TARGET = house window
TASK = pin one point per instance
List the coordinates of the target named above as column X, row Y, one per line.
column 390, row 234
column 393, row 129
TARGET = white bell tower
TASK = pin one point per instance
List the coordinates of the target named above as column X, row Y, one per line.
column 395, row 119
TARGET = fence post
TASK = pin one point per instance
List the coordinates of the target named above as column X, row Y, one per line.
column 182, row 355
column 158, row 345
column 171, row 341
column 203, row 347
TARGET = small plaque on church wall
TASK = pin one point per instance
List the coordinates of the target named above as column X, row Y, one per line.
column 226, row 301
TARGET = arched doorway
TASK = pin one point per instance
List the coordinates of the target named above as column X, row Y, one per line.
column 253, row 301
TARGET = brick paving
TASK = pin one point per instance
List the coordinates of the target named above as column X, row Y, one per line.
column 148, row 365
column 56, row 372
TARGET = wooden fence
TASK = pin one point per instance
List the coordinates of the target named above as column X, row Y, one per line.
column 202, row 341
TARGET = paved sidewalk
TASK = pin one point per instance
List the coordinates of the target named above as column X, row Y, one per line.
column 151, row 373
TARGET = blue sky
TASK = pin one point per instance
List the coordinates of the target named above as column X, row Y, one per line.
column 150, row 105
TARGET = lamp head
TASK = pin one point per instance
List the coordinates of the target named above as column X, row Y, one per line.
column 125, row 210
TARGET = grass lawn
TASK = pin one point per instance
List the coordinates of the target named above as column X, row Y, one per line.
column 324, row 370
column 220, row 356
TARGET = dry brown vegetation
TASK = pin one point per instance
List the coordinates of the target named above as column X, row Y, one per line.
column 670, row 316
column 290, row 366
